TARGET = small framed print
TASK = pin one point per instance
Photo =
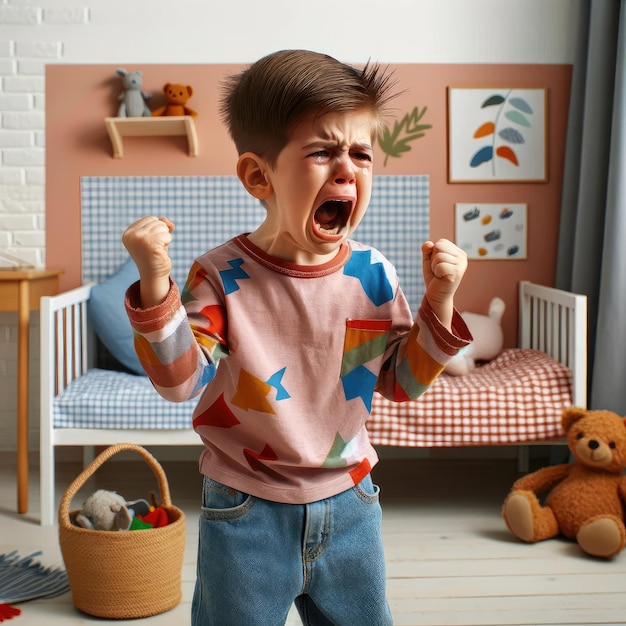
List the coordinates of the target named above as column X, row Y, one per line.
column 497, row 134
column 491, row 231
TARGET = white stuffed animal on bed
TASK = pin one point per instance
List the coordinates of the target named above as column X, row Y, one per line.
column 488, row 339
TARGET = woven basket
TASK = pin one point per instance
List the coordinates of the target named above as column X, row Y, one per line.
column 119, row 574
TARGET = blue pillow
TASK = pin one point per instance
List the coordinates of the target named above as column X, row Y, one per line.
column 108, row 317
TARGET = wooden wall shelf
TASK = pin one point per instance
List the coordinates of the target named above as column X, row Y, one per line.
column 119, row 127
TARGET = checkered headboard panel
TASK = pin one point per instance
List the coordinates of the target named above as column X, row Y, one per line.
column 208, row 210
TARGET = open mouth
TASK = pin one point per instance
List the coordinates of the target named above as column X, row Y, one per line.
column 332, row 216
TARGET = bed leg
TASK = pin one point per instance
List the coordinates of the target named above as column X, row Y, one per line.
column 560, row 454
column 89, row 454
column 523, row 459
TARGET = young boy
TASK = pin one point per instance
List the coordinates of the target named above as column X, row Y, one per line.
column 306, row 324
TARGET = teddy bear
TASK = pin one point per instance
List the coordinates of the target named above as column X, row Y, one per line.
column 176, row 96
column 585, row 499
column 104, row 510
column 487, row 343
column 133, row 98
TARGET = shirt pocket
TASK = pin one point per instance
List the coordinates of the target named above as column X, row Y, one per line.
column 364, row 346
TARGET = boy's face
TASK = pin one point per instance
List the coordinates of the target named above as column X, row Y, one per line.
column 322, row 183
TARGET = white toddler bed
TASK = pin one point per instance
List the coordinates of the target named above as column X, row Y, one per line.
column 515, row 399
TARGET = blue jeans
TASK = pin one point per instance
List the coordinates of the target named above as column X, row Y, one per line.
column 256, row 558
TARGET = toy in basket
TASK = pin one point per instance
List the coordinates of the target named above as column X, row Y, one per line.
column 123, row 575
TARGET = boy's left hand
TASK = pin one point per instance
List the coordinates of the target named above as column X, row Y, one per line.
column 444, row 265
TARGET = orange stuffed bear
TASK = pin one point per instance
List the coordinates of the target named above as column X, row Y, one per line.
column 176, row 96
column 586, row 498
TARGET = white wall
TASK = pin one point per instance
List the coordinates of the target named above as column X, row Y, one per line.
column 192, row 31
column 34, row 33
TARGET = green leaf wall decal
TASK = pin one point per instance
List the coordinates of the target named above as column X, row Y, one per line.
column 396, row 142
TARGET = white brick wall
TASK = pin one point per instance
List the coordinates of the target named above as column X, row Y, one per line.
column 22, row 127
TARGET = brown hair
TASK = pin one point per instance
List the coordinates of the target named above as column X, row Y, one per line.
column 261, row 105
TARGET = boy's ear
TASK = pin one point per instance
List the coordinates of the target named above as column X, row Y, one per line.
column 251, row 170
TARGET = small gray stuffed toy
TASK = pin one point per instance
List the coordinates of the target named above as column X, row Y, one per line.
column 105, row 510
column 133, row 98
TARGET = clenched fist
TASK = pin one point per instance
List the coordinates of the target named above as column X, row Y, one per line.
column 147, row 241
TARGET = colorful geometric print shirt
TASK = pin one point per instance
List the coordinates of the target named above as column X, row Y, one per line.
column 287, row 359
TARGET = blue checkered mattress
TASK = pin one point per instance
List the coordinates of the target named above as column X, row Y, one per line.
column 109, row 399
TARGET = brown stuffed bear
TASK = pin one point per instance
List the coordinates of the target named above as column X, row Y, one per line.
column 176, row 96
column 586, row 498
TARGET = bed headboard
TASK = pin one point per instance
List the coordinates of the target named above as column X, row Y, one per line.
column 208, row 210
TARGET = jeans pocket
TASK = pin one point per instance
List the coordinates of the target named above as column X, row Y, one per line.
column 220, row 501
column 367, row 491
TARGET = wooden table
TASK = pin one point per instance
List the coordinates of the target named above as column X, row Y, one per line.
column 20, row 290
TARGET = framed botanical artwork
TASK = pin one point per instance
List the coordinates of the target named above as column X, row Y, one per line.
column 491, row 231
column 497, row 134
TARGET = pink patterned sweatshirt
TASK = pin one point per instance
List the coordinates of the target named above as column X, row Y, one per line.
column 287, row 359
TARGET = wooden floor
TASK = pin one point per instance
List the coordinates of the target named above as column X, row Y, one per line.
column 450, row 558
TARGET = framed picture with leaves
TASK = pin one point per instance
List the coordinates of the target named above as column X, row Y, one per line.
column 497, row 134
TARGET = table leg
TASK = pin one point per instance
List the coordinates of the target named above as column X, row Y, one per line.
column 23, row 314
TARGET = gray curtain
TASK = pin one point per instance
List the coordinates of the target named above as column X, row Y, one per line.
column 592, row 250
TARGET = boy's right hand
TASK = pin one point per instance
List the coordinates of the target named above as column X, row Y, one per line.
column 147, row 241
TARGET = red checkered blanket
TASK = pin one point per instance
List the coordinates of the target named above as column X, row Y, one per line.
column 518, row 397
